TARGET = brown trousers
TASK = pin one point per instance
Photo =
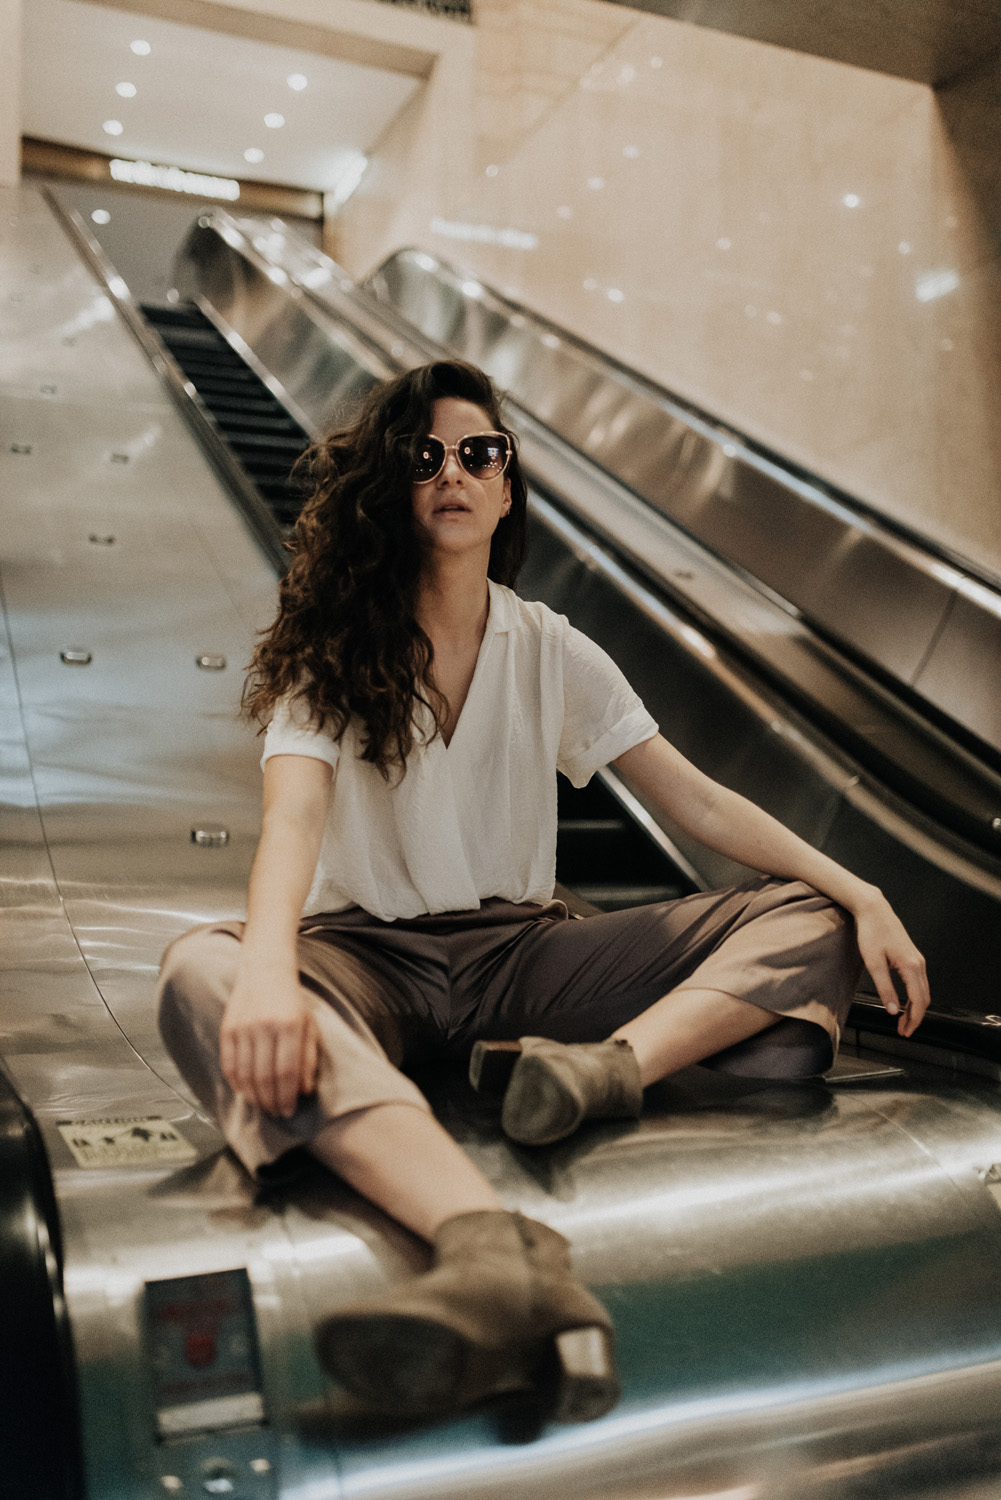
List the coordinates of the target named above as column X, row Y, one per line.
column 389, row 996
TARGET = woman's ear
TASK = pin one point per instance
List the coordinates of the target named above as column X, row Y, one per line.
column 506, row 503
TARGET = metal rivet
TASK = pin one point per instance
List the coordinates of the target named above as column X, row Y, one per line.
column 76, row 656
column 119, row 458
column 210, row 663
column 210, row 838
column 20, row 447
column 101, row 540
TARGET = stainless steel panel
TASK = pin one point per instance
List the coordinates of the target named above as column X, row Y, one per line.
column 963, row 669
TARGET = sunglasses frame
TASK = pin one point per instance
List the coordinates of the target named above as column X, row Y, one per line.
column 454, row 448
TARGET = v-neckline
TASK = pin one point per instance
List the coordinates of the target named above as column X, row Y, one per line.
column 487, row 632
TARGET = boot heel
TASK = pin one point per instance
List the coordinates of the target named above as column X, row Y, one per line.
column 491, row 1066
column 587, row 1378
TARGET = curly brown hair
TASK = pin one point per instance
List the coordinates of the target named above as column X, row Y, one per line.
column 346, row 640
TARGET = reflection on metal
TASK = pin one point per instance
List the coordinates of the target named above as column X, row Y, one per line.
column 803, row 1278
column 923, row 620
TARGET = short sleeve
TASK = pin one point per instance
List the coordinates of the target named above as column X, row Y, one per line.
column 291, row 733
column 602, row 716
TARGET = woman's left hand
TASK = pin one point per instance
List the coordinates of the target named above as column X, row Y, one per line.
column 886, row 950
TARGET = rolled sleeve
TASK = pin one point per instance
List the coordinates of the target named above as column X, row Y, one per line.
column 291, row 733
column 603, row 717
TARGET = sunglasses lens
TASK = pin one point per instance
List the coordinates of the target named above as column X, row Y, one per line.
column 428, row 459
column 484, row 455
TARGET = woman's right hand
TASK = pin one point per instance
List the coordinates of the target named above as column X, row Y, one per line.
column 269, row 1042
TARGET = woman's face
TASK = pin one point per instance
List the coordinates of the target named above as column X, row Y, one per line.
column 454, row 512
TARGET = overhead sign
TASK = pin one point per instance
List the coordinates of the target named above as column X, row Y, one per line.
column 174, row 179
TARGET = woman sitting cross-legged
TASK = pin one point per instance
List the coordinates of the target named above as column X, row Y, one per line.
column 401, row 904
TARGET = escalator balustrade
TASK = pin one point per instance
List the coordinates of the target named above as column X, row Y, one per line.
column 262, row 435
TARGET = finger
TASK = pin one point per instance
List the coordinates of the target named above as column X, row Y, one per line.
column 242, row 1079
column 915, row 981
column 287, row 1060
column 880, row 973
column 310, row 1057
column 264, row 1071
column 227, row 1057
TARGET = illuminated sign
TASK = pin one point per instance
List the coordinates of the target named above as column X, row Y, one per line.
column 146, row 174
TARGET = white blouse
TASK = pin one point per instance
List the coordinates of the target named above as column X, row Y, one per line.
column 475, row 818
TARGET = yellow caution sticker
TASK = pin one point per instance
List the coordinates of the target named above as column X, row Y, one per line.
column 125, row 1143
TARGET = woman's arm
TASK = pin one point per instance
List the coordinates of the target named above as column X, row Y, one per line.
column 269, row 1041
column 728, row 823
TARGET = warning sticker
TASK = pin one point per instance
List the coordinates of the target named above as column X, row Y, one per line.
column 125, row 1143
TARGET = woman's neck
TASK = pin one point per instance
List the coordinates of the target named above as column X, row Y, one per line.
column 452, row 605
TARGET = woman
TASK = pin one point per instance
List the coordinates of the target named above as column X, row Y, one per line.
column 418, row 714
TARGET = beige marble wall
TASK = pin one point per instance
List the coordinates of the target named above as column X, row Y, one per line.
column 808, row 250
column 10, row 92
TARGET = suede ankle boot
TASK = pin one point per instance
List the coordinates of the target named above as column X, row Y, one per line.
column 499, row 1312
column 555, row 1086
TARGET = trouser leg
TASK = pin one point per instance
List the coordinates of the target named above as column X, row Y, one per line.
column 196, row 979
column 776, row 945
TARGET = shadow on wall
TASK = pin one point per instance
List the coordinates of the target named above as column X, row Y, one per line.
column 970, row 110
column 970, row 107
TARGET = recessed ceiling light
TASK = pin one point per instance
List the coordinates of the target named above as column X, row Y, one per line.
column 112, row 127
column 127, row 90
column 492, row 170
column 297, row 81
column 596, row 183
column 141, row 49
column 274, row 121
column 253, row 153
column 101, row 216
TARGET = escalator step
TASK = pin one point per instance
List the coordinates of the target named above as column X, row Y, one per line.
column 204, row 340
column 266, row 443
column 182, row 316
column 246, row 405
column 258, row 422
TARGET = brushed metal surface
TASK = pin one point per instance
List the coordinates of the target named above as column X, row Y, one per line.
column 803, row 1279
column 881, row 594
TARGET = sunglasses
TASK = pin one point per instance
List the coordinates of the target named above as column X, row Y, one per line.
column 483, row 455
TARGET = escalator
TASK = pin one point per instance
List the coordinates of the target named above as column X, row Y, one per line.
column 802, row 1277
column 822, row 716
